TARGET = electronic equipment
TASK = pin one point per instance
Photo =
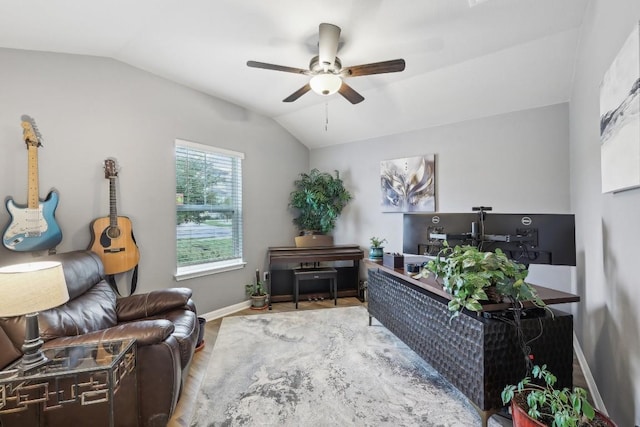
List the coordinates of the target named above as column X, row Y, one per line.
column 526, row 238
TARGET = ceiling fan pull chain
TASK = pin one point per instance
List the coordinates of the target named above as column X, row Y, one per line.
column 326, row 116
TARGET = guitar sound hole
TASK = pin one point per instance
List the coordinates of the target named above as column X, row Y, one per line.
column 113, row 232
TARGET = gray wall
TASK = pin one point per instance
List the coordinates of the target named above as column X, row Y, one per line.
column 514, row 163
column 608, row 322
column 90, row 108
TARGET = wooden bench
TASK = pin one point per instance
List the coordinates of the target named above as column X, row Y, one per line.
column 318, row 273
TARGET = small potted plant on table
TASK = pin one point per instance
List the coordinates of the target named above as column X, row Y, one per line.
column 376, row 250
column 539, row 405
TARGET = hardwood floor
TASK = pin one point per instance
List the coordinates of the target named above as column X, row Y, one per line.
column 197, row 372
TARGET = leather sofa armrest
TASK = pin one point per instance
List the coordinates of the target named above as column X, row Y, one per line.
column 145, row 332
column 145, row 305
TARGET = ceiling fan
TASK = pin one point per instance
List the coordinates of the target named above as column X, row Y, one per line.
column 326, row 69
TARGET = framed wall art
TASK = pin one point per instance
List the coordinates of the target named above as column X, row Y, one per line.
column 620, row 118
column 408, row 184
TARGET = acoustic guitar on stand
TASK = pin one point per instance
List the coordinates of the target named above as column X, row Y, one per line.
column 112, row 236
column 32, row 227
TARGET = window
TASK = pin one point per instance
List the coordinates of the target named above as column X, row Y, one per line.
column 208, row 209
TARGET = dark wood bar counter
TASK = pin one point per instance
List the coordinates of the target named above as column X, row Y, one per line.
column 479, row 353
column 549, row 296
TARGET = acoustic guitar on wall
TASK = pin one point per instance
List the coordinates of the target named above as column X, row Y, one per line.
column 112, row 236
column 32, row 227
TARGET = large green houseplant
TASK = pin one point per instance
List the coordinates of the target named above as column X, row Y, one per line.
column 319, row 198
column 549, row 406
column 471, row 276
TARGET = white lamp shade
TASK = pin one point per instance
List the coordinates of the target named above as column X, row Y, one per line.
column 325, row 84
column 31, row 287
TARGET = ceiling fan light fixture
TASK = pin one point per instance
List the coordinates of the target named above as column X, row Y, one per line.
column 325, row 69
column 325, row 84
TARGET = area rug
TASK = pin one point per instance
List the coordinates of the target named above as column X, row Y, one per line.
column 322, row 368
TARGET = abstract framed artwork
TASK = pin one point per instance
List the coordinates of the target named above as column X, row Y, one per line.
column 408, row 184
column 620, row 118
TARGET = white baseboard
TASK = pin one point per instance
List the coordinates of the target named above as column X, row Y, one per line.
column 591, row 383
column 225, row 311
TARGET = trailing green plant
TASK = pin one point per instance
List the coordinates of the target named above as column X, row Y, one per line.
column 319, row 198
column 561, row 408
column 377, row 242
column 467, row 272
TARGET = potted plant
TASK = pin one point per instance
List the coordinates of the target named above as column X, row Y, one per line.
column 471, row 275
column 376, row 250
column 319, row 198
column 540, row 404
column 257, row 292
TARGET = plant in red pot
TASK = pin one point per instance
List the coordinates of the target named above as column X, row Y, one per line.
column 539, row 404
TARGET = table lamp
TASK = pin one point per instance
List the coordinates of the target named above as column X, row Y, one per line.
column 26, row 289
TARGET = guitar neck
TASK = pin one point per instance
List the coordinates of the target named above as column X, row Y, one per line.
column 113, row 212
column 33, row 193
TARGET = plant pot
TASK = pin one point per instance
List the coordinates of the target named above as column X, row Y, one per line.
column 522, row 419
column 376, row 253
column 493, row 294
column 258, row 302
column 313, row 240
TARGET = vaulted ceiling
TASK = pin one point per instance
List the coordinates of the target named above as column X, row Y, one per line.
column 465, row 59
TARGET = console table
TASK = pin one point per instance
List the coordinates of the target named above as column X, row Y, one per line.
column 282, row 259
column 478, row 353
column 79, row 385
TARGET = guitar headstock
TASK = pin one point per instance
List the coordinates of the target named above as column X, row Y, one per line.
column 110, row 168
column 30, row 132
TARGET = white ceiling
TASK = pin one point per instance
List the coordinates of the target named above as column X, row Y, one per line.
column 462, row 61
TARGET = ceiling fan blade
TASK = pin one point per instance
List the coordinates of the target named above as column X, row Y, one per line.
column 256, row 64
column 351, row 95
column 393, row 66
column 329, row 35
column 297, row 94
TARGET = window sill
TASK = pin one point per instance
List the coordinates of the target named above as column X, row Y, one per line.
column 186, row 273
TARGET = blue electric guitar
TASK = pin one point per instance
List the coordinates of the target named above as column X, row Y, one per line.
column 32, row 227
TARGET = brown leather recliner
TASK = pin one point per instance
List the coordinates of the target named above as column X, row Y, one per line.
column 163, row 323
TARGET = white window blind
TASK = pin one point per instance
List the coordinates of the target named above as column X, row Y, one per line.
column 208, row 207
